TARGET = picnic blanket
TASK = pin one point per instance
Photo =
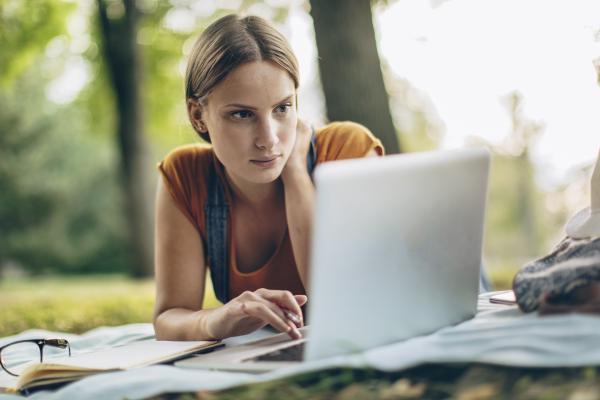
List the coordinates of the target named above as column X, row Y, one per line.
column 499, row 334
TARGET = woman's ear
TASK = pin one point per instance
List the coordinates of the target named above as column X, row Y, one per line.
column 195, row 115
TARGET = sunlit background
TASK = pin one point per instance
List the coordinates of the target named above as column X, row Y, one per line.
column 516, row 76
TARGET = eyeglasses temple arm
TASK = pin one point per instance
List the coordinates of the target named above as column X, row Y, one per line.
column 61, row 343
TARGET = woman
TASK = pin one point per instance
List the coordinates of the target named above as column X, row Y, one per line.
column 242, row 204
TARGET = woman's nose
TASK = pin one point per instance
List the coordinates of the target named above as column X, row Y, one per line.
column 266, row 136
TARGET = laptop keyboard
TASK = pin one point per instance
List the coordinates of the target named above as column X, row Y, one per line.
column 290, row 353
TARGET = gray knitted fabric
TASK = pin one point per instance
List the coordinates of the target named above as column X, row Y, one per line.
column 572, row 264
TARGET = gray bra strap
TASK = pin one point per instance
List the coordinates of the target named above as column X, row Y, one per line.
column 311, row 157
column 216, row 212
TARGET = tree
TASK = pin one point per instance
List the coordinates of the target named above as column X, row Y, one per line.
column 524, row 133
column 118, row 23
column 350, row 68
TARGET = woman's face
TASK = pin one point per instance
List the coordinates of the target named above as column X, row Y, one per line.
column 251, row 119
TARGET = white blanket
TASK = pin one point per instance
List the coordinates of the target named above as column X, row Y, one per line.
column 498, row 334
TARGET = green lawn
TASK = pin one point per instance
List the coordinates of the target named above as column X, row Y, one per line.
column 502, row 277
column 76, row 304
column 435, row 381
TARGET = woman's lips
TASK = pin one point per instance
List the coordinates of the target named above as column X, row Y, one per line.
column 266, row 162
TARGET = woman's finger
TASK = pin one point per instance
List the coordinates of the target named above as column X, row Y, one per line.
column 293, row 317
column 257, row 296
column 301, row 299
column 263, row 311
column 285, row 300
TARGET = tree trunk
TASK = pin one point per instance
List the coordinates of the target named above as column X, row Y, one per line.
column 119, row 32
column 350, row 69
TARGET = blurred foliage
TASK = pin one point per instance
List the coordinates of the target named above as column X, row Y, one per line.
column 419, row 128
column 60, row 206
column 519, row 225
column 26, row 27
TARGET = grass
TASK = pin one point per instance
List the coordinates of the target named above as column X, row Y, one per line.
column 502, row 277
column 76, row 304
column 434, row 381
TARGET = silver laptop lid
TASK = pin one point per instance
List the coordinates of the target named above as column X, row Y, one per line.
column 396, row 248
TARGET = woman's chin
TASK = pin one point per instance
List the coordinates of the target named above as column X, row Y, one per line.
column 264, row 176
column 270, row 177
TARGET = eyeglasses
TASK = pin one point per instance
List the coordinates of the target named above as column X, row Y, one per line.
column 16, row 353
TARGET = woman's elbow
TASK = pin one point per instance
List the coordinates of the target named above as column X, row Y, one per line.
column 159, row 329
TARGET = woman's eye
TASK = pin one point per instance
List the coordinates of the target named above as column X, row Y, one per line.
column 242, row 114
column 283, row 108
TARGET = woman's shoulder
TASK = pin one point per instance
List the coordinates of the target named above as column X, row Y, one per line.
column 345, row 139
column 184, row 171
column 186, row 167
column 189, row 154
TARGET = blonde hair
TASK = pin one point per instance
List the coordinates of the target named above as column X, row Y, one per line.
column 228, row 43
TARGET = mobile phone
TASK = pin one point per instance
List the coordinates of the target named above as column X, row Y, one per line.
column 507, row 297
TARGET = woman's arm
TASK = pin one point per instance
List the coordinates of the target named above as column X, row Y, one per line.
column 180, row 274
column 180, row 270
column 299, row 194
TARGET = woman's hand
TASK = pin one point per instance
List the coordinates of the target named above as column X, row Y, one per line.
column 296, row 163
column 253, row 310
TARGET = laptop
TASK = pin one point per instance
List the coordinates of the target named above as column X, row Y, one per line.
column 396, row 253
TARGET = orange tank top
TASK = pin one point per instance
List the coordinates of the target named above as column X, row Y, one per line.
column 185, row 172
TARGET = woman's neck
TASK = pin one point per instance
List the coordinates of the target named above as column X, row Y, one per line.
column 256, row 195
